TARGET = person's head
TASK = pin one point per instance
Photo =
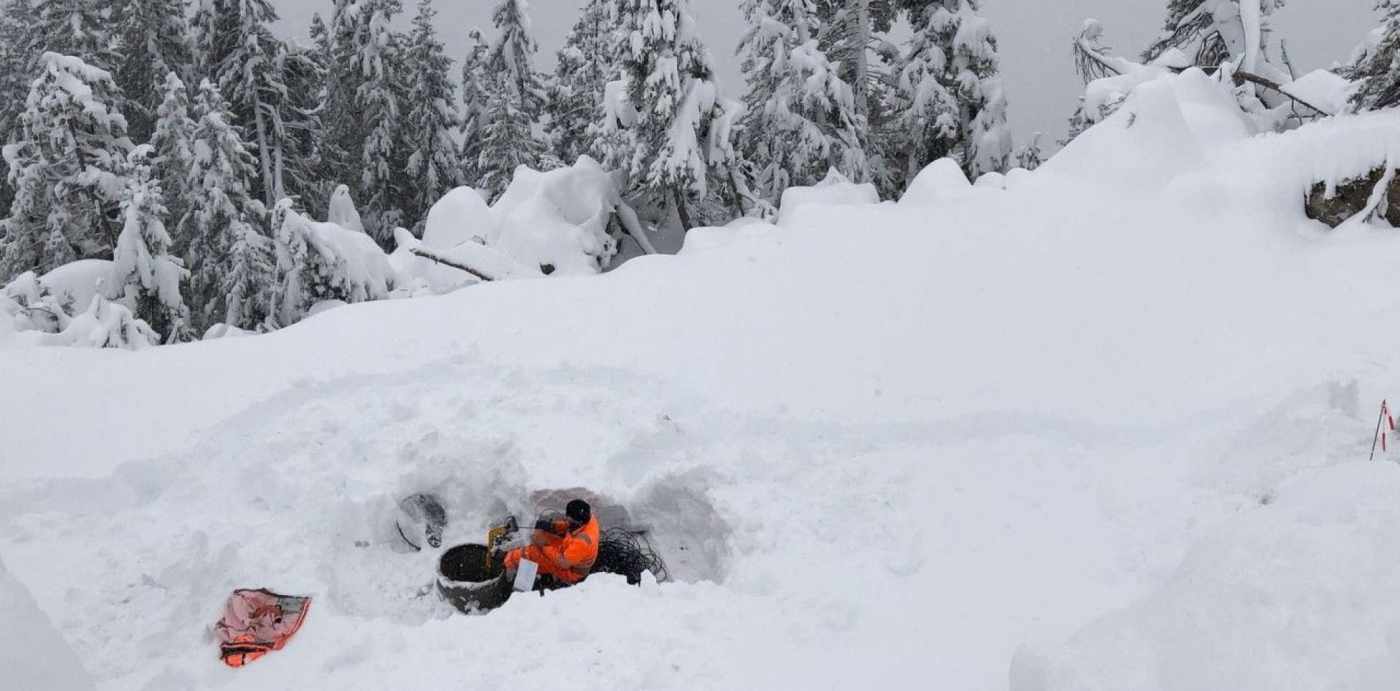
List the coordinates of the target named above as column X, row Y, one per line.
column 578, row 511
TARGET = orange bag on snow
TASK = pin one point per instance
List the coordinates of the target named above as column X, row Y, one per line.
column 257, row 622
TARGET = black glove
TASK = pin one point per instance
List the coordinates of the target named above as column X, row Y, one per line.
column 545, row 524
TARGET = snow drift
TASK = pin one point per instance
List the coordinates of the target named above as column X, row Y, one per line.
column 1099, row 429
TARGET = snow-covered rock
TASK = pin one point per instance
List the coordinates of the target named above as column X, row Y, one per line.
column 833, row 190
column 33, row 655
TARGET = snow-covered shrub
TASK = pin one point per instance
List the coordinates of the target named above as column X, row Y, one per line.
column 559, row 218
column 26, row 304
column 105, row 324
column 323, row 261
column 39, row 314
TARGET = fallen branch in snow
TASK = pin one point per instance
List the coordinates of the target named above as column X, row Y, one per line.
column 1242, row 76
column 420, row 252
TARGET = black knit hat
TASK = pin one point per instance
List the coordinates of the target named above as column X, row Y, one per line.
column 578, row 510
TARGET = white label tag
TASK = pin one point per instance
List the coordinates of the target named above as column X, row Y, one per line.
column 525, row 575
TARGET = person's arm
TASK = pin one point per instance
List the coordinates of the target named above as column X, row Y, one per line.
column 578, row 549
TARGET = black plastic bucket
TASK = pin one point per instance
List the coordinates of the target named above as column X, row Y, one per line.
column 470, row 582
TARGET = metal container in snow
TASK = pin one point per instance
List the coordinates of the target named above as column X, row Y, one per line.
column 470, row 581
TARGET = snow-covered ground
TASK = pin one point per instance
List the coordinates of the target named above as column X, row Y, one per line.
column 1105, row 428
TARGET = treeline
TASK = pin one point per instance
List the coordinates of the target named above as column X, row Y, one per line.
column 162, row 136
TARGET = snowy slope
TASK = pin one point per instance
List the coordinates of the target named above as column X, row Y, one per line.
column 999, row 439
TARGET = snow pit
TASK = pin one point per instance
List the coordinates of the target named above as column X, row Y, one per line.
column 676, row 517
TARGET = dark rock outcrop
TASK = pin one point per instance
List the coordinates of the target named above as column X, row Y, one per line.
column 1350, row 198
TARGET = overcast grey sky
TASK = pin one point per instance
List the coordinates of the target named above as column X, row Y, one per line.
column 1034, row 35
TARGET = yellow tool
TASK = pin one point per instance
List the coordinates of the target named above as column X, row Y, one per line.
column 495, row 535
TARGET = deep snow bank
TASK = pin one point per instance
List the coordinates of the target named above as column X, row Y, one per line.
column 1080, row 417
column 1298, row 593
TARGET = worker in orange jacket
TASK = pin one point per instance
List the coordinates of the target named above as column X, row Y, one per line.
column 565, row 548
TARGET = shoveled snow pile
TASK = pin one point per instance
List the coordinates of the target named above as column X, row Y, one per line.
column 1105, row 428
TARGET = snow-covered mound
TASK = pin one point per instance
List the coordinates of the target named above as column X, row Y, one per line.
column 1098, row 430
column 460, row 216
column 833, row 190
column 545, row 223
column 940, row 181
column 558, row 218
column 77, row 282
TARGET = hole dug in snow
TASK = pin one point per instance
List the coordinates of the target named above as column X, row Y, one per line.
column 373, row 572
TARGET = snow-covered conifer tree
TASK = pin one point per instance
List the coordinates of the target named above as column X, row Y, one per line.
column 17, row 24
column 222, row 206
column 173, row 144
column 1211, row 32
column 144, row 275
column 77, row 28
column 514, row 101
column 153, row 41
column 431, row 120
column 670, row 84
column 951, row 90
column 583, row 69
column 855, row 35
column 379, row 102
column 801, row 118
column 474, row 97
column 1377, row 66
column 68, row 164
column 321, row 35
column 250, row 279
column 273, row 89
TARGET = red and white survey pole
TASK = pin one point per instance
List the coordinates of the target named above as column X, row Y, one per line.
column 1385, row 424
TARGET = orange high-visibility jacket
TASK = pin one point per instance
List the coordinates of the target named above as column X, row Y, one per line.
column 568, row 559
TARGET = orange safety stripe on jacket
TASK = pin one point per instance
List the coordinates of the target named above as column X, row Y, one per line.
column 567, row 559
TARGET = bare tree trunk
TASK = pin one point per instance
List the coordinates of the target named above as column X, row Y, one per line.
column 859, row 82
column 264, row 156
column 681, row 211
